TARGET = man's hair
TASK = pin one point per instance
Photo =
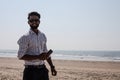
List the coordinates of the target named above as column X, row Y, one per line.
column 34, row 13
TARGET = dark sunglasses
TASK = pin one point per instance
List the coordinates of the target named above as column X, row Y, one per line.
column 32, row 20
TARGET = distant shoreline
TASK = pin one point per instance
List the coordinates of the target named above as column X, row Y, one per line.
column 66, row 60
column 74, row 55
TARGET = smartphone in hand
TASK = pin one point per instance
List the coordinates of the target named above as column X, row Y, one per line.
column 49, row 52
column 45, row 55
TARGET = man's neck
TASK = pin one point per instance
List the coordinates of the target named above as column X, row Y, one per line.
column 35, row 30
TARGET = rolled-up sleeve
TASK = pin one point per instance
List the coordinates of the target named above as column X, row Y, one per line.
column 23, row 46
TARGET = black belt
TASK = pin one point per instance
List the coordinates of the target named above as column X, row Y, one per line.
column 34, row 66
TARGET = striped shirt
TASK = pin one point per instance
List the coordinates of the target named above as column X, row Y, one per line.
column 32, row 44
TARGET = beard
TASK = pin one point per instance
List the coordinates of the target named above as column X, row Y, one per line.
column 34, row 27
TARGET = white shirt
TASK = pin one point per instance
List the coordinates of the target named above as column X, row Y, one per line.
column 32, row 44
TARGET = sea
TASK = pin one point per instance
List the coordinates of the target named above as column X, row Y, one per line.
column 74, row 55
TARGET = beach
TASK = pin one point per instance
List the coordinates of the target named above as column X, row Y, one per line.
column 12, row 69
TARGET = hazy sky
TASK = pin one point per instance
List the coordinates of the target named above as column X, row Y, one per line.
column 68, row 24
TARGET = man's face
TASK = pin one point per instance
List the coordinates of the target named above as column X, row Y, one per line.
column 34, row 22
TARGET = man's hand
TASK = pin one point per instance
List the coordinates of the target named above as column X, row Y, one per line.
column 53, row 71
column 45, row 56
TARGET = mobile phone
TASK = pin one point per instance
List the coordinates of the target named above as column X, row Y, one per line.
column 49, row 52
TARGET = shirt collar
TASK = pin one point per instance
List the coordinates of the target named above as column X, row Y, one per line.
column 32, row 32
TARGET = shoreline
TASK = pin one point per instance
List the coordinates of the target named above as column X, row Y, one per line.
column 72, row 59
column 75, row 55
column 12, row 69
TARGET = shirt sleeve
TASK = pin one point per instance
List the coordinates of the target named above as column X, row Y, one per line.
column 23, row 46
column 45, row 48
column 45, row 44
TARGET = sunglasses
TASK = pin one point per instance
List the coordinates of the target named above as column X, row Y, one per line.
column 32, row 20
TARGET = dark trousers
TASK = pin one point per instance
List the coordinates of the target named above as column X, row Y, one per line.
column 33, row 73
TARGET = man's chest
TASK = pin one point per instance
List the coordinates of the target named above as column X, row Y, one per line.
column 36, row 41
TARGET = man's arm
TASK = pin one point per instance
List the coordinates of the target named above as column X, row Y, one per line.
column 42, row 56
column 50, row 62
column 49, row 58
column 53, row 70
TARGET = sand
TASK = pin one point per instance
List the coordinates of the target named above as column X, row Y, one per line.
column 12, row 69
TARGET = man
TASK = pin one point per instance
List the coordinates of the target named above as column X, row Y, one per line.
column 33, row 50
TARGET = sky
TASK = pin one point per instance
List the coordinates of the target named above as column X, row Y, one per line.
column 68, row 24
